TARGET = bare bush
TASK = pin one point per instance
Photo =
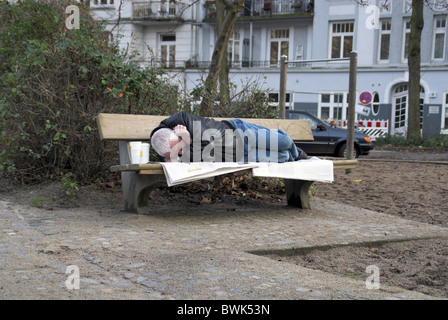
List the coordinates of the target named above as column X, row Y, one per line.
column 53, row 84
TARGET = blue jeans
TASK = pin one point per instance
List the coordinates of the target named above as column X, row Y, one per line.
column 264, row 145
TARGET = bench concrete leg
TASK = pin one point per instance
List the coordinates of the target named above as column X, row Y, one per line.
column 297, row 193
column 136, row 189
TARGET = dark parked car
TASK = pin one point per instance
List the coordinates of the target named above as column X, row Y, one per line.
column 327, row 139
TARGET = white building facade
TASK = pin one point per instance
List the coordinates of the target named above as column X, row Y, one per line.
column 181, row 36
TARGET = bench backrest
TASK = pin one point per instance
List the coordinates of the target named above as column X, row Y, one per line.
column 139, row 127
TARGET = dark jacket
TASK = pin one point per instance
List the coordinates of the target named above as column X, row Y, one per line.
column 196, row 131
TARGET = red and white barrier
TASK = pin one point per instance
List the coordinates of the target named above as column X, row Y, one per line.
column 373, row 128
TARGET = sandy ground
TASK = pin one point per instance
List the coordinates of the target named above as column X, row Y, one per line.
column 414, row 189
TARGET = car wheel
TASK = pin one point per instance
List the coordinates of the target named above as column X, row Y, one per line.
column 342, row 151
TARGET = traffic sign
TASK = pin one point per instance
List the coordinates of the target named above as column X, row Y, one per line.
column 365, row 97
column 363, row 110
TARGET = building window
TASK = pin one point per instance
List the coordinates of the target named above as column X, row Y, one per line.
column 274, row 99
column 103, row 2
column 400, row 112
column 445, row 113
column 376, row 104
column 406, row 36
column 385, row 39
column 168, row 50
column 172, row 8
column 337, row 106
column 324, row 108
column 166, row 9
column 422, row 101
column 341, row 39
column 233, row 49
column 279, row 45
column 439, row 37
column 332, row 106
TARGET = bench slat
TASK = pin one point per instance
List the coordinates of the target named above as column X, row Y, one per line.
column 298, row 130
column 127, row 126
column 160, row 171
column 139, row 127
column 136, row 167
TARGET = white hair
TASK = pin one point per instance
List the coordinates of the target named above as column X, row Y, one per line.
column 160, row 141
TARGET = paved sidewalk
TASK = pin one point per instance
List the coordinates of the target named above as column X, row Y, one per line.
column 205, row 254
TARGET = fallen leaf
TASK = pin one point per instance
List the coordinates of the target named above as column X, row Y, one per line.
column 206, row 200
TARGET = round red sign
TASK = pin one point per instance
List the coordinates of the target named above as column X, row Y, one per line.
column 365, row 97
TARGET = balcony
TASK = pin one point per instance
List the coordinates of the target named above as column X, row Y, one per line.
column 267, row 8
column 179, row 64
column 158, row 10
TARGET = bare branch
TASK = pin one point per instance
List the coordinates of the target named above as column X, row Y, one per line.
column 119, row 17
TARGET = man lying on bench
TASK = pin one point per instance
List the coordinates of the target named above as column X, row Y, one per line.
column 189, row 138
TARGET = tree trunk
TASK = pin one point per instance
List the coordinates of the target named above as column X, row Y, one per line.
column 209, row 93
column 223, row 78
column 414, row 60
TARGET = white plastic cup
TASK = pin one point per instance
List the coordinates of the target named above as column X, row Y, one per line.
column 135, row 148
column 144, row 154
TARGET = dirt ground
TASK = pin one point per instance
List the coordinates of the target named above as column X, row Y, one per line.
column 414, row 189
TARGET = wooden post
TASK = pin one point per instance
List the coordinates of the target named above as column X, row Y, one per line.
column 351, row 107
column 282, row 95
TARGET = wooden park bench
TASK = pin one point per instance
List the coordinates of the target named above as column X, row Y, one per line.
column 139, row 179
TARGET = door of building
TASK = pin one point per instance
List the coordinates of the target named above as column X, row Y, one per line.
column 400, row 103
